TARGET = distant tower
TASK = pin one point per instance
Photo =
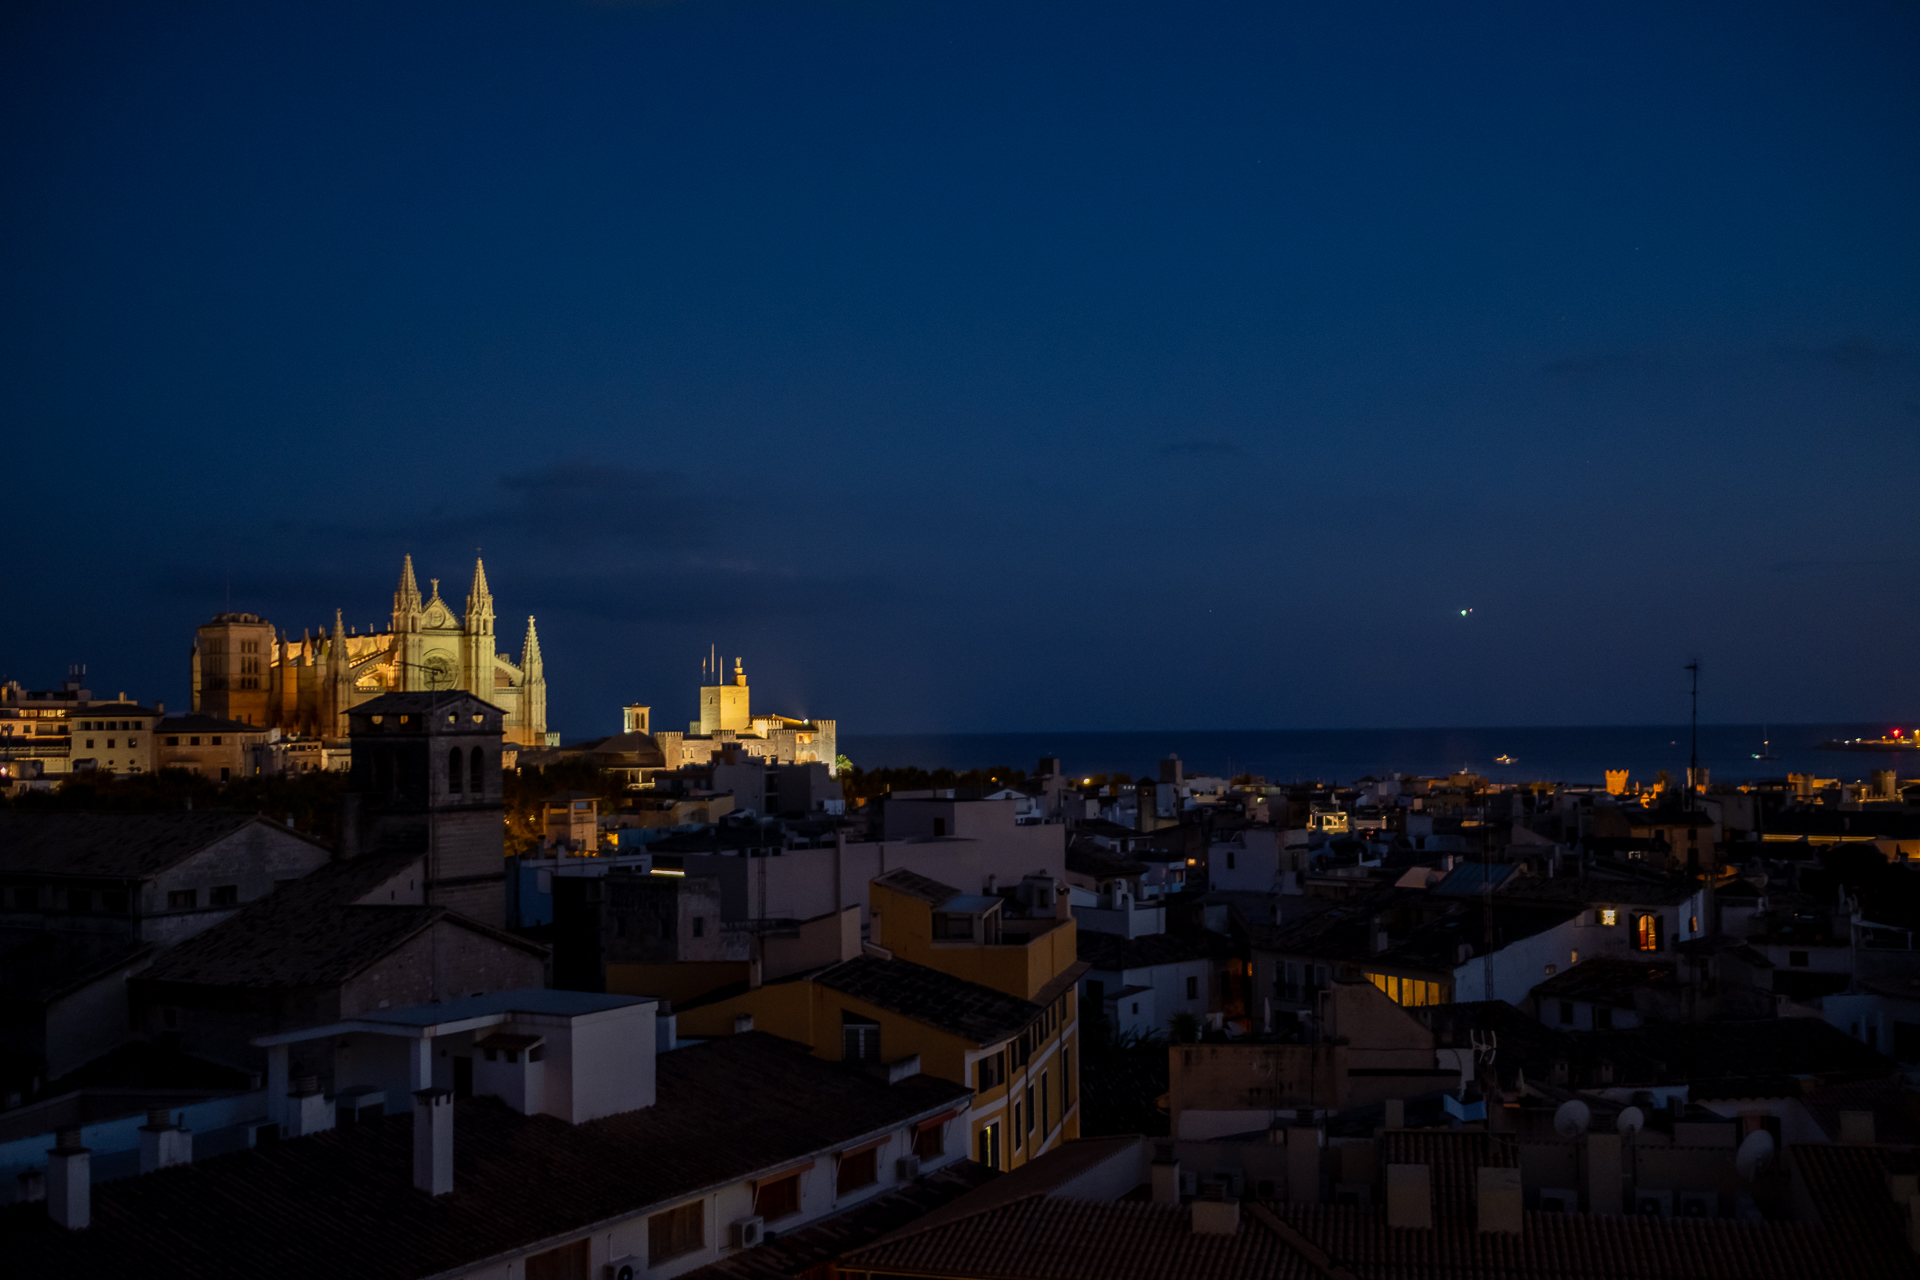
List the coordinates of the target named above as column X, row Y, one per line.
column 232, row 655
column 724, row 705
column 408, row 609
column 426, row 779
column 476, row 642
column 533, row 694
column 339, row 681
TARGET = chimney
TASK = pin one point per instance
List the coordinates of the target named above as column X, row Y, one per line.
column 1216, row 1216
column 1856, row 1126
column 433, row 1141
column 162, row 1142
column 70, row 1182
column 1603, row 1173
column 1166, row 1182
column 1410, row 1197
column 742, row 1023
column 1303, row 1165
column 1500, row 1197
column 307, row 1109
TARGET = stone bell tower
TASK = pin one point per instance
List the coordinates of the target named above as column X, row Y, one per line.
column 426, row 779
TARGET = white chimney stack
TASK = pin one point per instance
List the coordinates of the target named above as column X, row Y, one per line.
column 163, row 1142
column 306, row 1108
column 742, row 1023
column 70, row 1182
column 433, row 1141
column 1166, row 1182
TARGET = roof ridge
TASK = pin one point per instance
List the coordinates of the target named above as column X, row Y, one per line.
column 1310, row 1253
column 949, row 1214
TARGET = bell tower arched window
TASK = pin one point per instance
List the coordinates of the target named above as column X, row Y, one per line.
column 479, row 774
column 456, row 776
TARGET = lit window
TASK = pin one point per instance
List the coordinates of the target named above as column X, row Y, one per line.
column 1646, row 933
column 1609, row 917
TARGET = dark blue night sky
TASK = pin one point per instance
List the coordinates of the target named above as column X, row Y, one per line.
column 983, row 367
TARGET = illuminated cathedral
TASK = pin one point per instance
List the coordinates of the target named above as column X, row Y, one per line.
column 243, row 669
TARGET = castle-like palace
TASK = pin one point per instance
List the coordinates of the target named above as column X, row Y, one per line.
column 244, row 670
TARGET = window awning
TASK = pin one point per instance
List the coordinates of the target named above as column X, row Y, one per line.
column 784, row 1171
column 861, row 1149
column 922, row 1125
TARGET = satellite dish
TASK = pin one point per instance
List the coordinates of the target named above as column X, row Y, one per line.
column 1572, row 1119
column 1630, row 1121
column 1755, row 1154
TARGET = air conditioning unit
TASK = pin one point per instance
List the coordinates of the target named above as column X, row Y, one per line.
column 1559, row 1200
column 1653, row 1204
column 631, row 1267
column 1699, row 1204
column 907, row 1168
column 745, row 1233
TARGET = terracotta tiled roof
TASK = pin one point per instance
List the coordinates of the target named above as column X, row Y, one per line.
column 1886, row 1097
column 1041, row 1238
column 967, row 1009
column 1601, row 890
column 1579, row 1247
column 795, row 1253
column 1605, row 980
column 342, row 1203
column 115, row 846
column 1847, row 1186
column 1454, row 1158
column 315, row 948
column 307, row 934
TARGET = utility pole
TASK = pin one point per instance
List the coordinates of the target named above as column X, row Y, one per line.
column 1693, row 759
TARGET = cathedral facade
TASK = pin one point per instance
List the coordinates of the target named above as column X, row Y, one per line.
column 243, row 669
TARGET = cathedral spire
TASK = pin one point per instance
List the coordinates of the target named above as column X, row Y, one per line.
column 478, row 592
column 407, row 599
column 530, row 661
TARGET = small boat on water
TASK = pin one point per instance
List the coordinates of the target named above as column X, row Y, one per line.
column 1505, row 759
column 1766, row 748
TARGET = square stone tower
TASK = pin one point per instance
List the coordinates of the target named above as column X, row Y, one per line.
column 426, row 779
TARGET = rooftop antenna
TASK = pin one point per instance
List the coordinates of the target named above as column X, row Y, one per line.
column 1693, row 757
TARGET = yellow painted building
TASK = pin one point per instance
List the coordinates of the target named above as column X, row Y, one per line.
column 979, row 998
column 114, row 737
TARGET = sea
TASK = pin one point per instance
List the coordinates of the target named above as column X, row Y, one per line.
column 1558, row 754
